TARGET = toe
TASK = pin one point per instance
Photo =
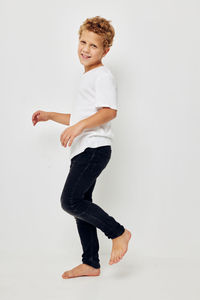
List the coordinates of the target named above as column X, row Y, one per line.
column 112, row 259
column 64, row 275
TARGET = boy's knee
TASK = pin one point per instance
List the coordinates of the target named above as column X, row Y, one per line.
column 64, row 203
column 68, row 205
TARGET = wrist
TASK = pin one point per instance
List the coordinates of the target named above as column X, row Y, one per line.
column 50, row 116
column 82, row 124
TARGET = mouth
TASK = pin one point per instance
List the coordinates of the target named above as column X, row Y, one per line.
column 85, row 56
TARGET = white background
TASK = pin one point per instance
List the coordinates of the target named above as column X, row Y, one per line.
column 151, row 184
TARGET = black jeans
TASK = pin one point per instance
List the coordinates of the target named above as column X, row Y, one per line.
column 76, row 199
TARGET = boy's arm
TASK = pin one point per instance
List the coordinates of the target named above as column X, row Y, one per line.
column 60, row 118
column 104, row 115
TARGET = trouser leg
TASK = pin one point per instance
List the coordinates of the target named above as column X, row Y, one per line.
column 84, row 169
column 88, row 236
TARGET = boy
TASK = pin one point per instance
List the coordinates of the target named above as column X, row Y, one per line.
column 89, row 138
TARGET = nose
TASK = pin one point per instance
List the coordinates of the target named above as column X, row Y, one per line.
column 85, row 49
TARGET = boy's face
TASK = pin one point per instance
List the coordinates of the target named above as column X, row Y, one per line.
column 90, row 50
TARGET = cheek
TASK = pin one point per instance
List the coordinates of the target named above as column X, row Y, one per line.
column 95, row 53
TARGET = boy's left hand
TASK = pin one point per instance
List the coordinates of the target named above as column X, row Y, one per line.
column 70, row 133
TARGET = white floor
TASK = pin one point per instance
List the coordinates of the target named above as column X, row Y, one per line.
column 38, row 276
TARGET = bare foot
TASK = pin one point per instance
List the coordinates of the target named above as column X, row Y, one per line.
column 81, row 270
column 119, row 247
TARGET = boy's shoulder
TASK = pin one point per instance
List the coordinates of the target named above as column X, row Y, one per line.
column 104, row 77
column 105, row 71
column 98, row 72
column 99, row 77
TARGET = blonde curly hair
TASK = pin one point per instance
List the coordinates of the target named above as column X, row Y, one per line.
column 100, row 26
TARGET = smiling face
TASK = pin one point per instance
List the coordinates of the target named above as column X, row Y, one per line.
column 90, row 50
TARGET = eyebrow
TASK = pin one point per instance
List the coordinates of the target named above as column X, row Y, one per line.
column 90, row 44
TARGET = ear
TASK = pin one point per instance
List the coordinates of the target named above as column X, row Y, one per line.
column 106, row 51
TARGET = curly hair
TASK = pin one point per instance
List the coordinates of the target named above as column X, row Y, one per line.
column 100, row 26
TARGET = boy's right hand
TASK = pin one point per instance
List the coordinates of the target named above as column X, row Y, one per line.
column 40, row 115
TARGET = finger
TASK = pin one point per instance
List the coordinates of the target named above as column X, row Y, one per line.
column 35, row 117
column 34, row 121
column 71, row 141
column 63, row 140
column 35, row 114
column 62, row 136
column 66, row 141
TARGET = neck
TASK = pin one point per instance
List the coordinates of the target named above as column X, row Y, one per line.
column 88, row 68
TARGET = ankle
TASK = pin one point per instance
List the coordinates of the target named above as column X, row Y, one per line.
column 88, row 266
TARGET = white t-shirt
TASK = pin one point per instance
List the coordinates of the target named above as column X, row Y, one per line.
column 97, row 88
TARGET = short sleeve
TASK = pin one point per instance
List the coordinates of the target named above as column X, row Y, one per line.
column 106, row 92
